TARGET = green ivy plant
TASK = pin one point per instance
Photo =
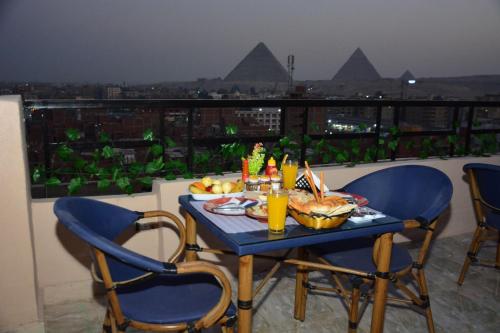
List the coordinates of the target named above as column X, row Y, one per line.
column 394, row 138
column 106, row 166
column 487, row 144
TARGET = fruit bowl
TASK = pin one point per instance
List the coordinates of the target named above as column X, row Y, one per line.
column 209, row 189
column 209, row 196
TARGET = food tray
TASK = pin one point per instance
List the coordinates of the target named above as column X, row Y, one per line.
column 318, row 221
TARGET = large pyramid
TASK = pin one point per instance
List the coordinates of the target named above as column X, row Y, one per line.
column 357, row 68
column 259, row 65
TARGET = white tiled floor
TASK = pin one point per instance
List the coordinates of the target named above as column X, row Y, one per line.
column 474, row 307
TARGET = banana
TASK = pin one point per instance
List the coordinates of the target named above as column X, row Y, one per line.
column 195, row 190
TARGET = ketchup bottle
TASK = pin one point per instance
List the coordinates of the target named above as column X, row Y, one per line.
column 245, row 174
column 271, row 167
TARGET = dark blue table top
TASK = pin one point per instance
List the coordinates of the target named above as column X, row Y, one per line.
column 294, row 236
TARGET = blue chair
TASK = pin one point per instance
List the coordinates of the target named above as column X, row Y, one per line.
column 484, row 184
column 416, row 194
column 142, row 292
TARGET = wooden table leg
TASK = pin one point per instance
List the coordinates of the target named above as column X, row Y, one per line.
column 381, row 283
column 190, row 238
column 245, row 292
column 301, row 279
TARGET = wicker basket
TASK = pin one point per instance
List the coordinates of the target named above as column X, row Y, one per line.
column 318, row 221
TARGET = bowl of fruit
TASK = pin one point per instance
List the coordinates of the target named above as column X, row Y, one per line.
column 209, row 189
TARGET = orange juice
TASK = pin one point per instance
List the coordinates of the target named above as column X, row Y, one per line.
column 290, row 169
column 277, row 202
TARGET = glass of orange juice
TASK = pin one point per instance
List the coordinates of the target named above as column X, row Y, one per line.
column 289, row 169
column 277, row 202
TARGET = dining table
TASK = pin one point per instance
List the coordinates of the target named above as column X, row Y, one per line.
column 247, row 238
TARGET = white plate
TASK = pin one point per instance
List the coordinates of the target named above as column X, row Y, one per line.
column 209, row 196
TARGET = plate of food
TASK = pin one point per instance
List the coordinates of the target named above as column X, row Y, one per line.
column 258, row 212
column 210, row 189
column 229, row 205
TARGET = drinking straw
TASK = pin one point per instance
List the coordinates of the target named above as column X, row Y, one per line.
column 321, row 182
column 310, row 179
column 283, row 162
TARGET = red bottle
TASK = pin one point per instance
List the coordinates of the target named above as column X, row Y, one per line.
column 245, row 174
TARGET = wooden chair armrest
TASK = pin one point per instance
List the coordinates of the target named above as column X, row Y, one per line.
column 493, row 208
column 172, row 218
column 215, row 314
column 412, row 224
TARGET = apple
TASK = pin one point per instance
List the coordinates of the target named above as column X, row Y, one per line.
column 227, row 187
column 216, row 189
column 206, row 181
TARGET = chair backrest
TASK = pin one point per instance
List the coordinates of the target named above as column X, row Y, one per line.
column 406, row 192
column 487, row 178
column 98, row 224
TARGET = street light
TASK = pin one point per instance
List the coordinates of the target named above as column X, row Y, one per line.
column 407, row 79
column 404, row 86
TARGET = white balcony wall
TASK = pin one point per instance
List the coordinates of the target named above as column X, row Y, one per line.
column 43, row 263
column 18, row 284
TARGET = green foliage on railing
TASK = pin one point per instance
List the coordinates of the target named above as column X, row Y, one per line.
column 106, row 166
column 487, row 144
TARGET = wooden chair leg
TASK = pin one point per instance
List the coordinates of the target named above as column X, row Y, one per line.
column 354, row 306
column 227, row 329
column 301, row 280
column 497, row 261
column 473, row 249
column 106, row 325
column 424, row 296
column 109, row 324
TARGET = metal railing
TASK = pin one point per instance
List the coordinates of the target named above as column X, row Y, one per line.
column 466, row 130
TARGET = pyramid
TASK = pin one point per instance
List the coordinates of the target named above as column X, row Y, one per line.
column 407, row 76
column 357, row 68
column 259, row 65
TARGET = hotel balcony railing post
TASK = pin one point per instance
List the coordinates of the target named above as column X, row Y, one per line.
column 283, row 117
column 305, row 127
column 46, row 114
column 377, row 131
column 468, row 132
column 455, row 127
column 395, row 123
column 161, row 132
column 190, row 148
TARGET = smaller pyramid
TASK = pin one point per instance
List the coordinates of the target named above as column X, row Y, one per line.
column 357, row 68
column 407, row 76
column 259, row 65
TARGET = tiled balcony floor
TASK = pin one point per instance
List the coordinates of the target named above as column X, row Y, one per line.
column 474, row 307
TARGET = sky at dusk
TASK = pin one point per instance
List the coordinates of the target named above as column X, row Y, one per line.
column 179, row 40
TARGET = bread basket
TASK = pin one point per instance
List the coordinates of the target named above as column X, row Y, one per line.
column 318, row 221
column 327, row 213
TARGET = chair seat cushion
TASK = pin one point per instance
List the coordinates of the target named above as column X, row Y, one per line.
column 171, row 299
column 493, row 220
column 357, row 254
